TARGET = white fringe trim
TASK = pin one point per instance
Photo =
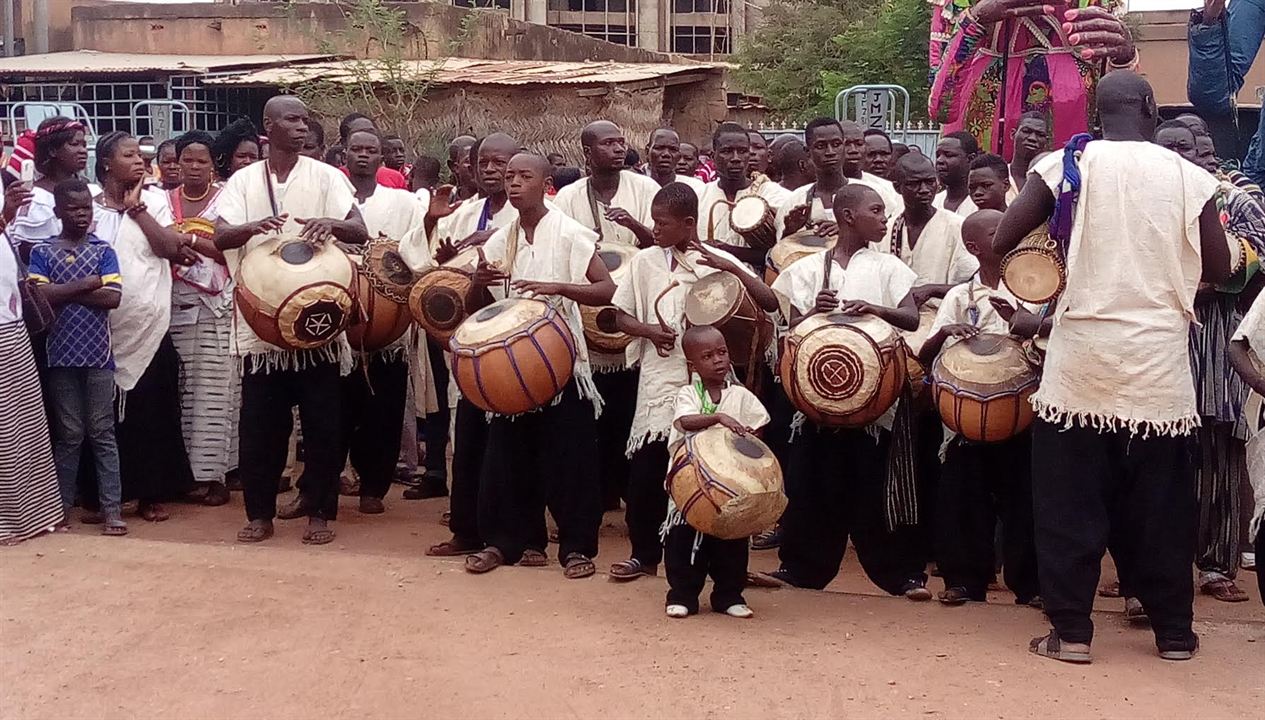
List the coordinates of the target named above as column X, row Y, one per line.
column 602, row 363
column 674, row 519
column 1109, row 423
column 282, row 360
column 636, row 442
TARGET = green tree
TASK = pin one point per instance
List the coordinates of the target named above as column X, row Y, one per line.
column 806, row 51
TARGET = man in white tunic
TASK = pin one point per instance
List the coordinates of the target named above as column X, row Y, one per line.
column 954, row 154
column 732, row 148
column 294, row 194
column 615, row 204
column 663, row 155
column 374, row 395
column 854, row 168
column 1112, row 445
column 546, row 457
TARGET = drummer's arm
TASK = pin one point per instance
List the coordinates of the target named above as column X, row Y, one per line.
column 1241, row 360
column 351, row 229
column 599, row 289
column 1033, row 207
column 762, row 294
column 749, row 255
column 903, row 316
column 695, row 423
column 229, row 237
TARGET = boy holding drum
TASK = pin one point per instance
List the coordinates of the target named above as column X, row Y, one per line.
column 651, row 303
column 837, row 479
column 689, row 555
column 981, row 480
column 547, row 456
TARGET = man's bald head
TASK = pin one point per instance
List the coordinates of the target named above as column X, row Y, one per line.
column 499, row 141
column 597, row 130
column 914, row 162
column 782, row 140
column 460, row 144
column 286, row 123
column 279, row 105
column 667, row 134
column 1124, row 90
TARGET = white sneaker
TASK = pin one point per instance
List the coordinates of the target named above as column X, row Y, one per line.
column 678, row 611
column 740, row 611
column 1247, row 561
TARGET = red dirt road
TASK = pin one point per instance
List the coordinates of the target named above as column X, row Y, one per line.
column 178, row 621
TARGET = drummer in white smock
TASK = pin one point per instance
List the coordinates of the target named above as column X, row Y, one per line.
column 291, row 194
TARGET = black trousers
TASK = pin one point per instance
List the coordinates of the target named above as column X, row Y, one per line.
column 928, row 437
column 1090, row 488
column 647, row 501
column 153, row 462
column 267, row 399
column 839, row 478
column 619, row 392
column 980, row 483
column 469, row 446
column 435, row 425
column 373, row 411
column 536, row 460
column 777, row 434
column 724, row 560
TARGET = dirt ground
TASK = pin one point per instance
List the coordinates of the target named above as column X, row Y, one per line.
column 178, row 621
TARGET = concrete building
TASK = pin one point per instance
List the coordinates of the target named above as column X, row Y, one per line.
column 707, row 28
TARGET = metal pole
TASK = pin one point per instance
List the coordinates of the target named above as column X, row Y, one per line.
column 9, row 34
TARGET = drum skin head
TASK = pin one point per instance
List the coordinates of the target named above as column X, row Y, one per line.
column 296, row 253
column 748, row 212
column 712, row 299
column 387, row 272
column 437, row 301
column 1033, row 274
column 314, row 315
column 984, row 362
column 726, row 485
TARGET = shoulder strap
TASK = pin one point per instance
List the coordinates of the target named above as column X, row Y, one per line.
column 272, row 195
column 597, row 219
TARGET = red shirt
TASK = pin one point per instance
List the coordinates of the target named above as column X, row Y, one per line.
column 387, row 178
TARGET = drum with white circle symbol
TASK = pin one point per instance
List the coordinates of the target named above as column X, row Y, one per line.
column 295, row 295
column 843, row 370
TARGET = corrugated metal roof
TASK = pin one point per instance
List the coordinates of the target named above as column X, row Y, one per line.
column 88, row 62
column 453, row 71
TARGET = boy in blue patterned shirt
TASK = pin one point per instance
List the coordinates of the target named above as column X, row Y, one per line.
column 79, row 275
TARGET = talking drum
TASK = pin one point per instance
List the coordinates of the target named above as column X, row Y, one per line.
column 791, row 248
column 1034, row 271
column 599, row 322
column 720, row 300
column 438, row 299
column 383, row 282
column 513, row 356
column 293, row 295
column 843, row 370
column 726, row 485
column 981, row 387
column 753, row 219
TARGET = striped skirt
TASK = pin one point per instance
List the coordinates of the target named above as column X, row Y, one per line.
column 30, row 502
column 210, row 395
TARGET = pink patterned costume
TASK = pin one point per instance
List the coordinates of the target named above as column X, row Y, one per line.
column 1042, row 72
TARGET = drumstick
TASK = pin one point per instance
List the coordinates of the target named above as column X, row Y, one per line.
column 663, row 323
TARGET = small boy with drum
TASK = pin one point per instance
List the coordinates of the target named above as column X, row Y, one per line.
column 980, row 481
column 689, row 556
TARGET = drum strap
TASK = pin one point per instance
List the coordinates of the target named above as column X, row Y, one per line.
column 597, row 219
column 272, row 194
column 898, row 236
column 825, row 275
column 900, row 490
column 485, row 215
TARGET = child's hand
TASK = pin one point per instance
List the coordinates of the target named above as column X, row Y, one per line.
column 732, row 424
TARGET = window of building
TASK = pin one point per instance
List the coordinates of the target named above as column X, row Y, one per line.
column 483, row 4
column 720, row 7
column 620, row 34
column 700, row 39
column 593, row 5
